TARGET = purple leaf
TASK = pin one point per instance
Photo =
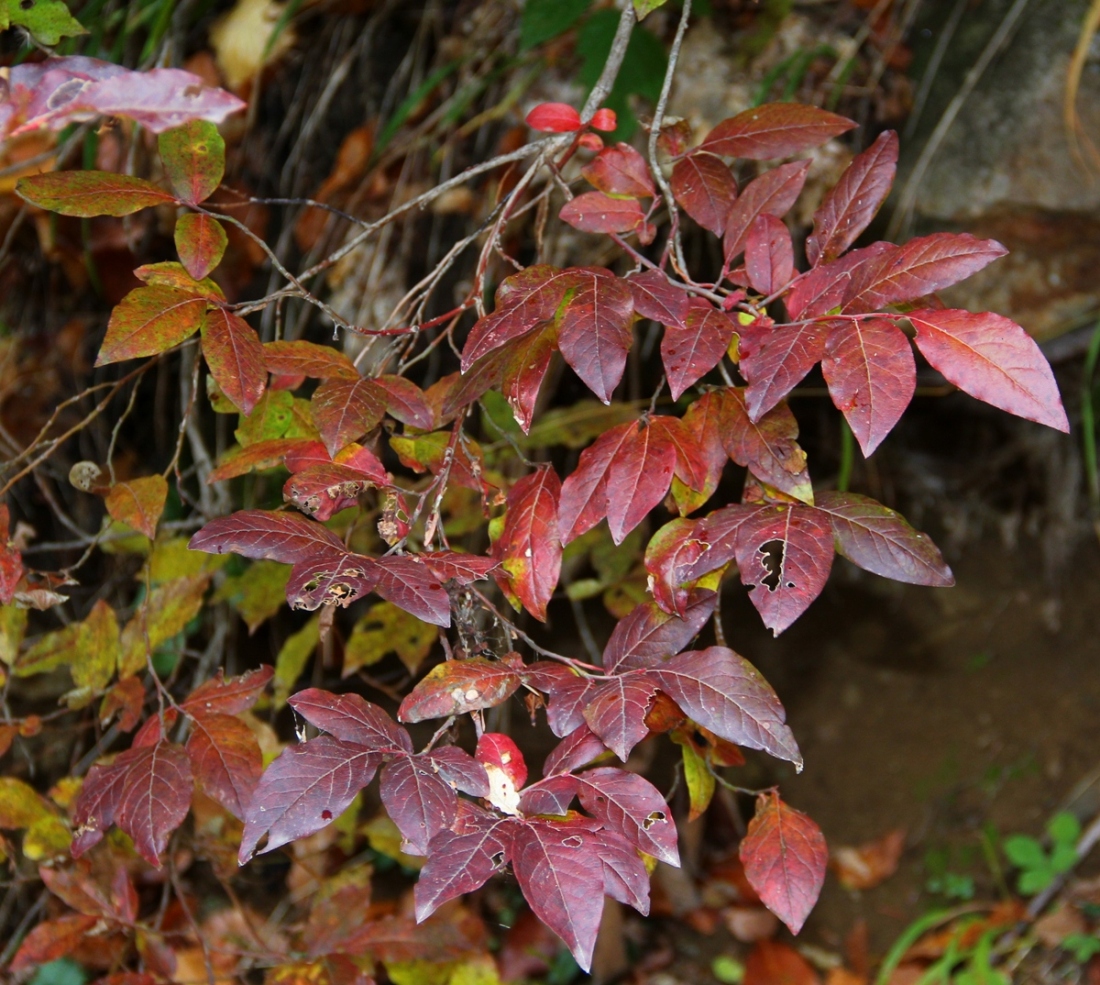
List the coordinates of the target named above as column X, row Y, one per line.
column 692, row 351
column 352, row 719
column 284, row 537
column 617, row 713
column 461, row 861
column 706, row 189
column 648, row 635
column 594, row 335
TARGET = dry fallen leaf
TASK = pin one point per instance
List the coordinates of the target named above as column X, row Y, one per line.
column 241, row 36
column 1054, row 927
column 869, row 864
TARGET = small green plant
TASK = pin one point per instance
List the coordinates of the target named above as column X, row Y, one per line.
column 1081, row 946
column 1038, row 867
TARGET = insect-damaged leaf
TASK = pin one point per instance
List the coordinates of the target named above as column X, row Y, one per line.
column 149, row 321
column 285, row 537
column 305, row 788
column 850, row 205
column 226, row 759
column 773, row 193
column 595, row 212
column 90, row 193
column 594, row 334
column 769, row 254
column 706, row 189
column 993, row 359
column 330, row 577
column 235, row 357
column 345, row 410
column 774, row 130
column 775, row 358
column 200, row 241
column 528, row 548
column 458, row 686
column 323, row 490
column 620, row 170
column 194, row 159
column 631, row 806
column 871, row 374
column 693, row 350
column 650, row 635
column 138, row 503
column 785, row 857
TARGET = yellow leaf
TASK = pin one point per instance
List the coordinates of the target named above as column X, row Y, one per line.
column 172, row 559
column 241, row 37
column 13, row 624
column 292, row 658
column 388, row 629
column 164, row 613
column 97, row 657
column 46, row 838
column 20, row 805
column 49, row 652
column 138, row 503
column 258, row 593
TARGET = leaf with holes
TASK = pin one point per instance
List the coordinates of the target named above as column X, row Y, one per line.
column 774, row 359
column 690, row 352
column 323, row 490
column 992, row 359
column 785, row 856
column 584, row 497
column 417, row 800
column 331, row 577
column 305, row 788
column 871, row 374
column 345, row 410
column 594, row 334
column 300, row 358
column 235, row 357
column 90, row 193
column 226, row 760
column 528, row 549
column 632, row 807
column 149, row 321
column 194, row 159
column 595, row 212
column 620, row 170
column 458, row 686
column 200, row 242
column 849, row 206
column 723, row 692
column 706, row 189
column 649, row 635
column 285, row 537
column 769, row 254
column 773, row 193
column 658, row 298
column 138, row 503
column 774, row 130
column 671, row 557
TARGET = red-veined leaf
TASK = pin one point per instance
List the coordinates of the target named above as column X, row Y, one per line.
column 200, row 242
column 554, row 118
column 850, row 205
column 595, row 212
column 881, row 541
column 226, row 760
column 922, row 266
column 300, row 358
column 90, row 193
column 285, row 537
column 769, row 254
column 345, row 410
column 584, row 493
column 785, row 857
column 410, row 585
column 649, row 635
column 323, row 490
column 458, row 686
column 617, row 712
column 993, row 359
column 138, row 503
column 228, row 696
column 305, row 788
column 417, row 801
column 638, row 479
column 872, row 376
column 633, row 807
column 657, row 298
column 706, row 189
column 235, row 357
column 595, row 334
column 528, row 548
column 149, row 321
column 194, row 159
column 723, row 692
column 773, row 193
column 405, row 401
column 774, row 130
column 690, row 352
column 620, row 170
column 774, row 359
column 351, row 718
column 330, row 577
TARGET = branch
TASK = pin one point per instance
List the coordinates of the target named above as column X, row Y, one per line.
column 606, row 81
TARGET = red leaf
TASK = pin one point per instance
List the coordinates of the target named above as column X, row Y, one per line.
column 579, row 748
column 881, row 541
column 228, row 696
column 523, row 368
column 993, row 359
column 554, row 118
column 769, row 254
column 321, row 362
column 528, row 549
column 138, row 503
column 649, row 635
column 458, row 567
column 706, row 189
column 689, row 468
column 773, row 193
column 52, row 939
column 323, row 490
column 822, row 289
column 784, row 554
column 345, row 410
column 11, row 561
column 194, row 159
column 417, row 801
column 703, row 421
column 775, row 359
column 410, row 585
column 500, row 751
column 226, row 759
column 553, row 864
column 304, row 789
column 774, row 130
column 785, row 856
column 657, row 298
column 200, row 242
column 405, row 401
column 620, row 170
column 776, row 963
column 921, row 266
column 569, row 694
column 235, row 357
column 350, row 718
column 631, row 806
column 263, row 455
column 595, row 212
column 690, row 352
column 331, row 577
column 723, row 692
column 638, row 479
column 617, row 713
column 458, row 686
column 284, row 537
column 605, row 120
column 670, row 558
column 850, row 205
column 149, row 321
column 90, row 193
column 595, row 331
column 871, row 374
column 767, row 447
column 584, row 492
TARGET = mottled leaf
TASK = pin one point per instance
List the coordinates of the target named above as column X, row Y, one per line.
column 323, row 490
column 200, row 242
column 331, row 577
column 138, row 503
column 194, row 159
column 149, row 321
column 458, row 686
column 90, row 193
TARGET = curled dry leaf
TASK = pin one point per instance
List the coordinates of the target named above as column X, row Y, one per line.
column 865, row 866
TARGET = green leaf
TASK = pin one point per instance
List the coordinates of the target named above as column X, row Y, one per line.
column 388, row 629
column 48, row 21
column 1064, row 829
column 194, row 159
column 292, row 658
column 90, row 193
column 697, row 776
column 543, row 20
column 1024, row 852
column 149, row 321
column 258, row 593
column 1034, row 881
column 643, row 8
column 13, row 624
column 277, row 414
